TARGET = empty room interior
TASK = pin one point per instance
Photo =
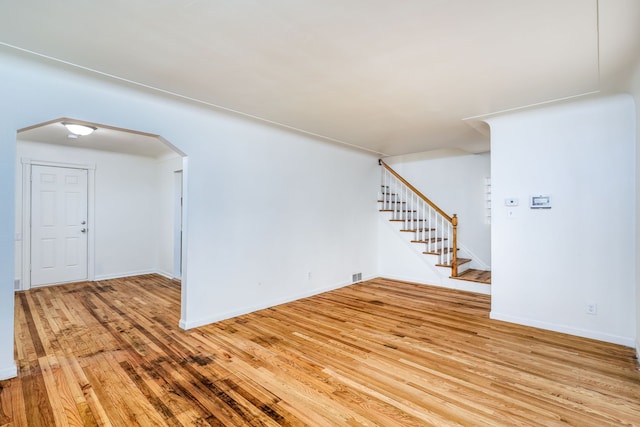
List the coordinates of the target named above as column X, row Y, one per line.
column 320, row 213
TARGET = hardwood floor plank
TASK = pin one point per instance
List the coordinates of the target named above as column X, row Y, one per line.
column 381, row 352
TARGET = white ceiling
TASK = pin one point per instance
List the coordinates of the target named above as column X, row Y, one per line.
column 390, row 77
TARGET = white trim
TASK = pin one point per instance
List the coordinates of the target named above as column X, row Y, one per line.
column 184, row 324
column 27, row 163
column 129, row 274
column 185, row 234
column 89, row 166
column 484, row 116
column 600, row 336
column 447, row 283
column 177, row 223
column 166, row 274
column 9, row 372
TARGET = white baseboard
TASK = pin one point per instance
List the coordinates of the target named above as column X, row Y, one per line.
column 9, row 372
column 584, row 333
column 448, row 283
column 127, row 274
column 165, row 274
column 189, row 324
column 410, row 279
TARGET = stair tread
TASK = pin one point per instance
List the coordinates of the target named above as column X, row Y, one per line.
column 431, row 240
column 438, row 251
column 473, row 275
column 460, row 262
column 418, row 230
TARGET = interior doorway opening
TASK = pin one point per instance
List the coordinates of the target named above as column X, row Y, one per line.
column 129, row 227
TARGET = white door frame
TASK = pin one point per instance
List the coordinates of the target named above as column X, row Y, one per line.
column 26, row 215
column 177, row 224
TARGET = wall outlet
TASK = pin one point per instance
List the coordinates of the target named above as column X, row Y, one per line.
column 591, row 308
column 308, row 275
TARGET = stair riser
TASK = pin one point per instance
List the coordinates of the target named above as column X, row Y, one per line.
column 464, row 267
column 447, row 271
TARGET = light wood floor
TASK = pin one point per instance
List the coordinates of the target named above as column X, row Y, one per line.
column 376, row 353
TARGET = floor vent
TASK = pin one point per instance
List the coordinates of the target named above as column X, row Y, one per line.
column 357, row 277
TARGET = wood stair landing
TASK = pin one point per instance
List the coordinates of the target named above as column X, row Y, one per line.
column 470, row 274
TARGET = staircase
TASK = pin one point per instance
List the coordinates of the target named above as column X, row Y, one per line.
column 432, row 231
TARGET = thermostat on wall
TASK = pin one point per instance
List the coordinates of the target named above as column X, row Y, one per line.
column 542, row 201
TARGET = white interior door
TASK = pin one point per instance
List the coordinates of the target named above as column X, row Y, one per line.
column 58, row 225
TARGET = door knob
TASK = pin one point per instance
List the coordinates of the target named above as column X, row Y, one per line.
column 83, row 222
column 83, row 230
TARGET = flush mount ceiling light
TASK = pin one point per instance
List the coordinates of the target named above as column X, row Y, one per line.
column 79, row 130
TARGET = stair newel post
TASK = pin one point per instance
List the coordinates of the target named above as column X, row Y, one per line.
column 454, row 259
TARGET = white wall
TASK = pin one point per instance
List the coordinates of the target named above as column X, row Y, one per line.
column 7, row 179
column 129, row 216
column 264, row 206
column 635, row 91
column 548, row 264
column 272, row 208
column 456, row 184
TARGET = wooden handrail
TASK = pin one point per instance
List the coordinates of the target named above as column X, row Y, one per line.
column 415, row 190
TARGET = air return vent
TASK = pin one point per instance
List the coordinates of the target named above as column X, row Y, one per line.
column 356, row 277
